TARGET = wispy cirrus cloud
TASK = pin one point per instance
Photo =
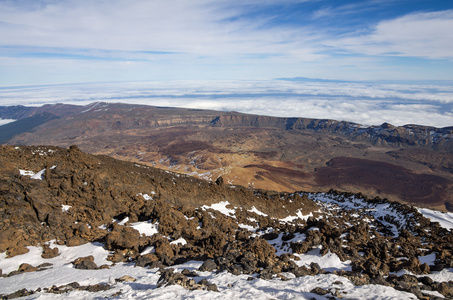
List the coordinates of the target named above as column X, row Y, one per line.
column 416, row 35
column 74, row 40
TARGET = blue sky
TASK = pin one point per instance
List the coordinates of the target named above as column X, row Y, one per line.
column 50, row 41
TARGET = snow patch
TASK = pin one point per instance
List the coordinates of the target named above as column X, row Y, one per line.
column 146, row 196
column 65, row 208
column 247, row 227
column 445, row 219
column 179, row 241
column 230, row 286
column 26, row 173
column 124, row 221
column 146, row 228
column 38, row 176
column 298, row 215
column 221, row 207
column 429, row 259
column 329, row 262
column 256, row 211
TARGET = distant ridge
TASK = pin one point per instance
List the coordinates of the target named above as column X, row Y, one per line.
column 282, row 154
column 27, row 124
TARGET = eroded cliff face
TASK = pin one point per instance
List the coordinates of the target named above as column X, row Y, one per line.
column 283, row 154
column 118, row 116
column 384, row 135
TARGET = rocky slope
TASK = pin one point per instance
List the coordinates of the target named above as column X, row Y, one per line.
column 412, row 164
column 72, row 198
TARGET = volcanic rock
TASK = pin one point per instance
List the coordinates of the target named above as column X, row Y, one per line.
column 85, row 263
column 48, row 252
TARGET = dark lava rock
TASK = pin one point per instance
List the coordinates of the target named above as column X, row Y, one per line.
column 23, row 268
column 319, row 291
column 189, row 273
column 209, row 286
column 208, row 265
column 169, row 277
column 445, row 289
column 145, row 260
column 85, row 263
column 48, row 252
column 18, row 294
column 98, row 287
column 122, row 237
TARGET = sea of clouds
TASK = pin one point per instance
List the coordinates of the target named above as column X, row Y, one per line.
column 367, row 103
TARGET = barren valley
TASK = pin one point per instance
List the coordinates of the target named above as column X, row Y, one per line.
column 412, row 164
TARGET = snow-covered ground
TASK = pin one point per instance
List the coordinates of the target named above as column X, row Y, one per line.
column 445, row 219
column 230, row 286
column 145, row 287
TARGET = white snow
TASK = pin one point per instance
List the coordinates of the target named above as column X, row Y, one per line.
column 429, row 259
column 146, row 228
column 67, row 254
column 124, row 221
column 298, row 215
column 230, row 286
column 38, row 176
column 445, row 219
column 148, row 250
column 256, row 211
column 444, row 275
column 179, row 241
column 247, row 227
column 221, row 207
column 146, row 196
column 329, row 262
column 65, row 208
column 385, row 213
column 26, row 173
column 284, row 247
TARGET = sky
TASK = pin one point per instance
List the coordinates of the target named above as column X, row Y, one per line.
column 67, row 41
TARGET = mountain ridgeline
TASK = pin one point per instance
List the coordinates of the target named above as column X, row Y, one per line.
column 383, row 135
column 411, row 163
column 380, row 135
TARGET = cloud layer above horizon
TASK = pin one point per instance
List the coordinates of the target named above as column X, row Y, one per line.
column 47, row 41
column 360, row 102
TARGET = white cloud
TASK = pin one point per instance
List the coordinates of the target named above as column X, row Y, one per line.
column 198, row 27
column 417, row 35
column 363, row 103
column 106, row 40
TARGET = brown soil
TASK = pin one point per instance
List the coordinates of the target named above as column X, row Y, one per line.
column 385, row 178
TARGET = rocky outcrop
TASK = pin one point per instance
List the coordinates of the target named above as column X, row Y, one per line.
column 81, row 198
column 169, row 277
column 73, row 286
column 383, row 135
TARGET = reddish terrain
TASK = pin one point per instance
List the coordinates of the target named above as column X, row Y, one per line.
column 412, row 164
